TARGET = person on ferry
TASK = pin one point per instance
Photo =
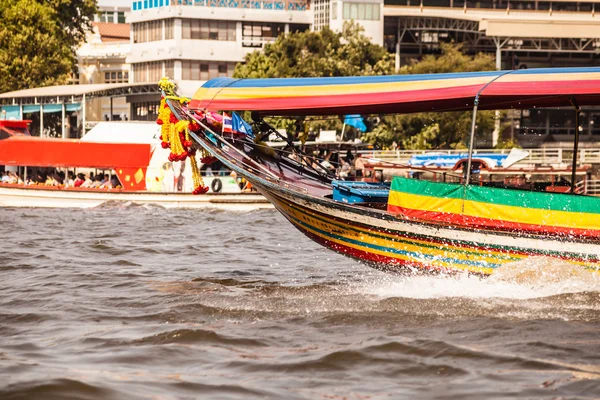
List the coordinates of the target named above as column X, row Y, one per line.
column 114, row 181
column 88, row 182
column 5, row 177
column 70, row 180
column 12, row 177
column 97, row 181
column 105, row 182
column 79, row 181
column 39, row 179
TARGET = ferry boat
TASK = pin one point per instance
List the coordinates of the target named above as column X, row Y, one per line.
column 140, row 165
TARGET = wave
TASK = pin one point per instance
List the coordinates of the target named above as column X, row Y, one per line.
column 195, row 336
column 63, row 389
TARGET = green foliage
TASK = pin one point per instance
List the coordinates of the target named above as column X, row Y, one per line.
column 75, row 18
column 315, row 54
column 350, row 53
column 508, row 144
column 416, row 131
column 452, row 59
column 38, row 40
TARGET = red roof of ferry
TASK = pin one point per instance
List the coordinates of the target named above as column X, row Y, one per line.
column 46, row 152
column 13, row 123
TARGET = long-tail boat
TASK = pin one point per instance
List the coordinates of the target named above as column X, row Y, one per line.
column 423, row 226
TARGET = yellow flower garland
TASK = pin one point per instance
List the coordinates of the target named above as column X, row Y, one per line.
column 175, row 135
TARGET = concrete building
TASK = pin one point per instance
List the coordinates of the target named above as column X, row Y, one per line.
column 204, row 39
column 102, row 59
column 193, row 41
column 112, row 11
column 522, row 33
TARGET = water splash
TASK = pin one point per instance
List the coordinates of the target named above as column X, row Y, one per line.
column 535, row 277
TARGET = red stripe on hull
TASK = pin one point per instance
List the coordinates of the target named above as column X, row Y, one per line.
column 398, row 235
column 488, row 223
column 382, row 262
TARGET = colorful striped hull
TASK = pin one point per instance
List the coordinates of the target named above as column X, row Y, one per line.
column 534, row 213
column 397, row 245
column 395, row 242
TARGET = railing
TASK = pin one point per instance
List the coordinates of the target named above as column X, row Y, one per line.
column 289, row 5
column 256, row 42
column 523, row 9
column 590, row 187
column 536, row 156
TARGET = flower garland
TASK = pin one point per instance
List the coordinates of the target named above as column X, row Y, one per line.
column 175, row 134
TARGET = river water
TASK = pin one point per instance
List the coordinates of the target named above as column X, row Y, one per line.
column 133, row 302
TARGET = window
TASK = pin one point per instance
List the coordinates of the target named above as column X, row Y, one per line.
column 107, row 16
column 146, row 111
column 208, row 30
column 147, row 72
column 169, row 29
column 170, row 69
column 361, row 11
column 121, row 17
column 150, row 31
column 255, row 34
column 204, row 70
column 116, row 77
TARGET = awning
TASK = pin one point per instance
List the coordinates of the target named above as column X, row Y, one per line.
column 498, row 90
column 74, row 93
column 45, row 152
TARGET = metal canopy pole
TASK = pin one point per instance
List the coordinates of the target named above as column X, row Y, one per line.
column 42, row 120
column 472, row 140
column 63, row 120
column 83, row 116
column 575, row 144
column 474, row 123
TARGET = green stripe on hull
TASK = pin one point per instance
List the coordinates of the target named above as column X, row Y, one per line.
column 499, row 196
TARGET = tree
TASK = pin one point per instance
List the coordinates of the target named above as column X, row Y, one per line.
column 435, row 130
column 315, row 54
column 75, row 18
column 38, row 40
column 350, row 53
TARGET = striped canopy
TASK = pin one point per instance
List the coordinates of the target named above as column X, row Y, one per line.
column 519, row 89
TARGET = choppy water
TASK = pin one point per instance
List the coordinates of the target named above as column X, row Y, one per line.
column 143, row 303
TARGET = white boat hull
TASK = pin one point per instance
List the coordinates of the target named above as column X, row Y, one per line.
column 60, row 198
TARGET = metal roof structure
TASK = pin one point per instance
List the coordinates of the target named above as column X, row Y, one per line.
column 75, row 93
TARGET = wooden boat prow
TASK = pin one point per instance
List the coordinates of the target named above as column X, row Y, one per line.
column 426, row 226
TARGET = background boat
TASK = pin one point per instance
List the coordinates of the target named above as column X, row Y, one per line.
column 132, row 153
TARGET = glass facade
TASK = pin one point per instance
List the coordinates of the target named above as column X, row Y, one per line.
column 361, row 11
column 208, row 29
column 205, row 70
column 289, row 5
column 256, row 34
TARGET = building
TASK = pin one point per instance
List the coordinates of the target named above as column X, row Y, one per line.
column 102, row 59
column 521, row 34
column 112, row 11
column 195, row 40
column 192, row 41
